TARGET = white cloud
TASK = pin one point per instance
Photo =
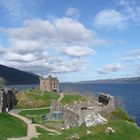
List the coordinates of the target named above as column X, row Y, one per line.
column 110, row 18
column 131, row 56
column 110, row 68
column 125, row 13
column 72, row 12
column 78, row 51
column 36, row 45
column 2, row 49
column 10, row 56
column 73, row 65
column 131, row 9
column 73, row 31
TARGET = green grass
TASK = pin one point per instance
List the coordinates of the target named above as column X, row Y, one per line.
column 119, row 121
column 35, row 114
column 124, row 131
column 35, row 99
column 11, row 127
column 71, row 98
column 120, row 114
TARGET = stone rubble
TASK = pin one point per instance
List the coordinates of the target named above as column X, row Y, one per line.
column 94, row 119
column 110, row 130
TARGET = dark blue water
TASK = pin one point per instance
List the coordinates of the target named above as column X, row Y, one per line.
column 129, row 92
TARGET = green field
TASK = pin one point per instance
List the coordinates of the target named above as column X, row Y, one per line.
column 35, row 99
column 119, row 120
column 71, row 98
column 11, row 127
column 36, row 114
column 124, row 131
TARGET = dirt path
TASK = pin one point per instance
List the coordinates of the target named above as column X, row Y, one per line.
column 35, row 108
column 31, row 128
column 48, row 129
column 61, row 97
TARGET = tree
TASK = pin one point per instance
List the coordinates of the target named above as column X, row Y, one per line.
column 2, row 81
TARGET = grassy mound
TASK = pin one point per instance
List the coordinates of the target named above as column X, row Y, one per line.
column 120, row 114
column 11, row 127
column 71, row 98
column 36, row 114
column 35, row 99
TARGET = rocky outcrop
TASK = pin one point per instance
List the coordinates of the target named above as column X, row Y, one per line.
column 94, row 119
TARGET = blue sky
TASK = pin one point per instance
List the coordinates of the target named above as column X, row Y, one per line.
column 73, row 39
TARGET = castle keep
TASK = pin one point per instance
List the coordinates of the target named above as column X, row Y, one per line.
column 49, row 84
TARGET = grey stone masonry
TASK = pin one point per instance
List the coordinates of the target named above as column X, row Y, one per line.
column 49, row 84
column 7, row 100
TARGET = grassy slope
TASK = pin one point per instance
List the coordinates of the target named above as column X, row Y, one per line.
column 11, row 127
column 35, row 99
column 71, row 98
column 119, row 121
column 35, row 114
column 124, row 131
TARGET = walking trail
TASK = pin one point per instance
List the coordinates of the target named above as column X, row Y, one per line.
column 31, row 133
column 61, row 97
column 31, row 128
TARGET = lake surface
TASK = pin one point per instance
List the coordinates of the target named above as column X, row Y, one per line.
column 129, row 92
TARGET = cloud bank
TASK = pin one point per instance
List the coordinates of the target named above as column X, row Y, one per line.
column 50, row 46
column 110, row 68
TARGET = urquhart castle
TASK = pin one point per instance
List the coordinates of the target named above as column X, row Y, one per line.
column 49, row 84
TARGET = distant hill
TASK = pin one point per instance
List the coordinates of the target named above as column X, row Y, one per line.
column 119, row 80
column 15, row 76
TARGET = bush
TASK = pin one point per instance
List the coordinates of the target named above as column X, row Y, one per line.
column 120, row 114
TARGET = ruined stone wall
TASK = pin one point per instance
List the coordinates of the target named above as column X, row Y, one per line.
column 54, row 84
column 107, row 109
column 1, row 101
column 49, row 84
column 71, row 119
column 45, row 85
column 7, row 100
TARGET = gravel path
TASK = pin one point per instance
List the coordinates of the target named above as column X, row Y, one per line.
column 31, row 128
column 61, row 97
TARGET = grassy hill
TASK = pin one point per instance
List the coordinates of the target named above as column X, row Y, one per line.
column 15, row 76
column 71, row 98
column 124, row 131
column 119, row 120
column 35, row 99
column 11, row 127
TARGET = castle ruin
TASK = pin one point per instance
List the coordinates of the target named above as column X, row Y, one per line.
column 49, row 84
column 7, row 100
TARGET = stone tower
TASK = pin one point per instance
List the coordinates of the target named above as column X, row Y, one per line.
column 49, row 84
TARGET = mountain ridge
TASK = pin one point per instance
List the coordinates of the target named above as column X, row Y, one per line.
column 116, row 80
column 16, row 76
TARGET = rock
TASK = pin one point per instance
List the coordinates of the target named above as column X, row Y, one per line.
column 94, row 119
column 110, row 130
column 89, row 132
column 74, row 136
column 51, row 134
